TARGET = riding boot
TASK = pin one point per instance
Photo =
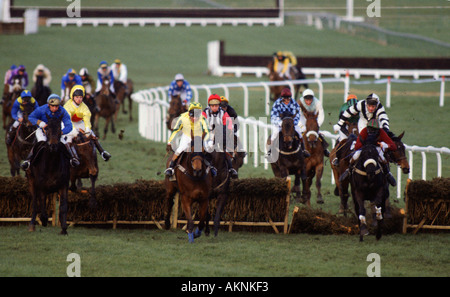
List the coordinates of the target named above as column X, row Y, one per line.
column 74, row 161
column 26, row 163
column 306, row 154
column 231, row 170
column 325, row 146
column 170, row 171
column 335, row 162
column 10, row 135
column 389, row 176
column 347, row 171
column 105, row 155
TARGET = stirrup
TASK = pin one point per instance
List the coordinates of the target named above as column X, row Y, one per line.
column 25, row 165
column 213, row 171
column 74, row 162
column 233, row 173
column 169, row 171
column 105, row 155
column 326, row 153
column 335, row 162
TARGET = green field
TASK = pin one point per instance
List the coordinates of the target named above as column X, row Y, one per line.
column 154, row 56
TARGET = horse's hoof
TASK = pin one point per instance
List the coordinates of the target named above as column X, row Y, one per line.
column 191, row 237
column 63, row 232
column 197, row 233
column 320, row 200
column 32, row 228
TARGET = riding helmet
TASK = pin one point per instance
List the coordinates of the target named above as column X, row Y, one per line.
column 373, row 123
column 54, row 99
column 214, row 99
column 372, row 99
column 286, row 92
column 25, row 93
column 77, row 90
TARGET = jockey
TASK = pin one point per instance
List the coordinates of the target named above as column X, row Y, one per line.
column 7, row 88
column 17, row 113
column 120, row 71
column 43, row 71
column 311, row 103
column 180, row 86
column 285, row 105
column 372, row 134
column 69, row 77
column 351, row 100
column 21, row 74
column 80, row 115
column 370, row 108
column 87, row 81
column 224, row 104
column 189, row 123
column 104, row 71
column 219, row 122
column 283, row 62
column 40, row 117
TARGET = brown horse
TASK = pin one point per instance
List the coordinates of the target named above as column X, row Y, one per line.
column 105, row 102
column 194, row 183
column 9, row 101
column 23, row 141
column 343, row 152
column 130, row 87
column 314, row 163
column 49, row 172
column 68, row 87
column 88, row 167
column 176, row 108
column 275, row 91
column 123, row 91
column 287, row 158
column 39, row 91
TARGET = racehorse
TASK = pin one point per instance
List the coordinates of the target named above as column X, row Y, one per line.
column 39, row 91
column 289, row 156
column 176, row 108
column 88, row 167
column 342, row 151
column 107, row 106
column 399, row 155
column 9, row 101
column 89, row 100
column 22, row 143
column 68, row 87
column 194, row 182
column 368, row 182
column 295, row 72
column 314, row 163
column 49, row 172
column 120, row 89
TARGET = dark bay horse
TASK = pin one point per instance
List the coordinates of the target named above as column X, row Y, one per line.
column 39, row 91
column 88, row 167
column 176, row 108
column 295, row 72
column 314, row 163
column 9, row 101
column 193, row 182
column 68, row 87
column 399, row 155
column 23, row 141
column 107, row 106
column 342, row 151
column 121, row 94
column 287, row 158
column 368, row 182
column 49, row 173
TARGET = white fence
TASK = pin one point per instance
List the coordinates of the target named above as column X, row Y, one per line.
column 252, row 132
column 216, row 69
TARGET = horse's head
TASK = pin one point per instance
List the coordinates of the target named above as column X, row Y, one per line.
column 17, row 87
column 197, row 156
column 287, row 130
column 399, row 155
column 105, row 86
column 53, row 132
column 312, row 127
column 352, row 127
column 367, row 161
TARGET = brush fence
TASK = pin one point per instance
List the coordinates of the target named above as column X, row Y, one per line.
column 253, row 202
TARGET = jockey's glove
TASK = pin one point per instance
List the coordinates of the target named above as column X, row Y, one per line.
column 336, row 128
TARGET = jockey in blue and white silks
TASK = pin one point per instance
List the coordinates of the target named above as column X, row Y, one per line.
column 180, row 86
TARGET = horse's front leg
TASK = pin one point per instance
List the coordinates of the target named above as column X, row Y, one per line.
column 170, row 193
column 220, row 204
column 35, row 196
column 92, row 199
column 106, row 127
column 361, row 214
column 203, row 211
column 43, row 205
column 187, row 212
column 63, row 209
column 319, row 173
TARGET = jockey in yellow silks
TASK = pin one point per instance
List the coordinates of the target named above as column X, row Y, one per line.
column 190, row 123
column 80, row 115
